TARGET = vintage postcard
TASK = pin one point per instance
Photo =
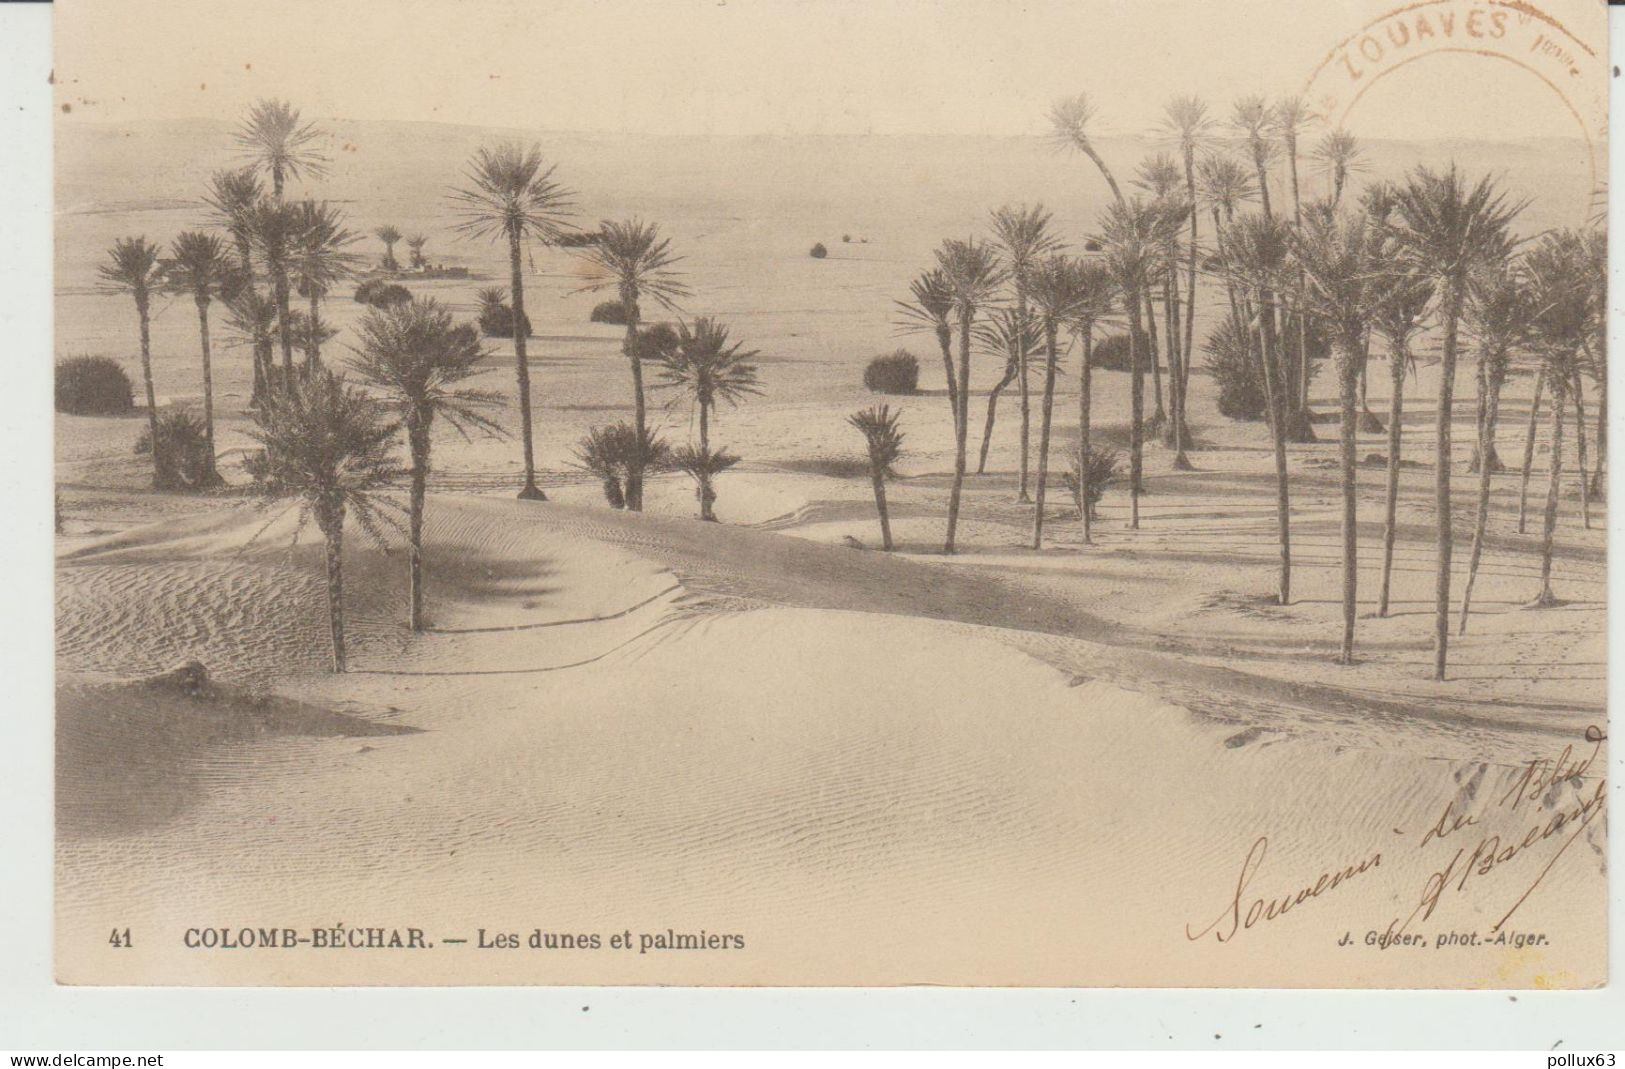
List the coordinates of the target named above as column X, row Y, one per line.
column 754, row 492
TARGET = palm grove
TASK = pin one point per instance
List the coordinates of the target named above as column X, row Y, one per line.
column 332, row 437
column 1299, row 288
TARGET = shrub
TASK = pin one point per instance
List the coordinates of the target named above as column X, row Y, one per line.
column 609, row 312
column 612, row 453
column 380, row 293
column 93, row 386
column 496, row 315
column 657, row 341
column 818, row 251
column 1099, row 469
column 184, row 461
column 1230, row 362
column 1111, row 353
column 898, row 372
column 578, row 240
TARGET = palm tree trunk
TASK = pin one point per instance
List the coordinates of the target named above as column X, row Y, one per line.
column 1274, row 390
column 313, row 346
column 1348, row 382
column 634, row 475
column 1190, row 279
column 334, row 532
column 417, row 438
column 1051, row 354
column 1176, row 363
column 1441, row 476
column 708, row 496
column 211, row 475
column 1529, row 448
column 961, row 418
column 1026, row 392
column 1481, row 521
column 284, row 326
column 1396, row 410
column 529, row 491
column 158, row 481
column 1546, row 597
column 1084, row 401
column 879, row 479
column 1158, row 413
column 1580, row 448
column 1010, row 372
column 945, row 341
column 1136, row 433
column 1598, row 488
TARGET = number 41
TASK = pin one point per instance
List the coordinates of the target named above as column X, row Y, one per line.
column 120, row 938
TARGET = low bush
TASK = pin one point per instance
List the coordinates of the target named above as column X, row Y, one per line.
column 897, row 373
column 184, row 461
column 1230, row 361
column 496, row 315
column 614, row 452
column 380, row 293
column 578, row 240
column 1094, row 472
column 1111, row 353
column 610, row 312
column 818, row 251
column 93, row 386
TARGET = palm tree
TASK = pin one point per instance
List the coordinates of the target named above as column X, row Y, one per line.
column 885, row 441
column 932, row 304
column 416, row 243
column 1336, row 257
column 276, row 231
column 1131, row 235
column 1058, row 295
column 253, row 321
column 1224, row 184
column 632, row 258
column 199, row 267
column 330, row 445
column 1186, row 121
column 277, row 143
column 1096, row 297
column 1069, row 126
column 974, row 276
column 232, row 198
column 512, row 196
column 319, row 260
column 1256, row 248
column 1022, row 236
column 1015, row 338
column 1253, row 120
column 389, row 235
column 1159, row 176
column 133, row 267
column 418, row 358
column 1595, row 351
column 1563, row 298
column 1499, row 318
column 1339, row 155
column 706, row 367
column 1447, row 229
column 1288, row 118
column 1397, row 317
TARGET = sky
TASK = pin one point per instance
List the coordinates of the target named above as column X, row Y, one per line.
column 766, row 66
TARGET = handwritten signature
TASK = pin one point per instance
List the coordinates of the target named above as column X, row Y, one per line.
column 1530, row 801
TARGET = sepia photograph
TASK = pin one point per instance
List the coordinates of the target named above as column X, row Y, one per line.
column 772, row 493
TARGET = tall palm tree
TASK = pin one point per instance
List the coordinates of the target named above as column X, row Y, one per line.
column 1070, row 118
column 1159, row 176
column 1253, row 121
column 1256, row 248
column 1336, row 257
column 1013, row 336
column 389, row 235
column 233, row 195
column 632, row 258
column 879, row 426
column 1563, row 298
column 1186, row 122
column 133, row 267
column 1339, row 156
column 930, row 309
column 319, row 260
column 1023, row 236
column 512, row 196
column 1595, row 352
column 1058, row 296
column 974, row 276
column 277, row 143
column 199, row 267
column 1131, row 234
column 1397, row 317
column 330, row 445
column 1499, row 319
column 1289, row 117
column 704, row 365
column 1224, row 184
column 1446, row 228
column 252, row 318
column 1096, row 299
column 275, row 235
column 415, row 243
column 419, row 359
